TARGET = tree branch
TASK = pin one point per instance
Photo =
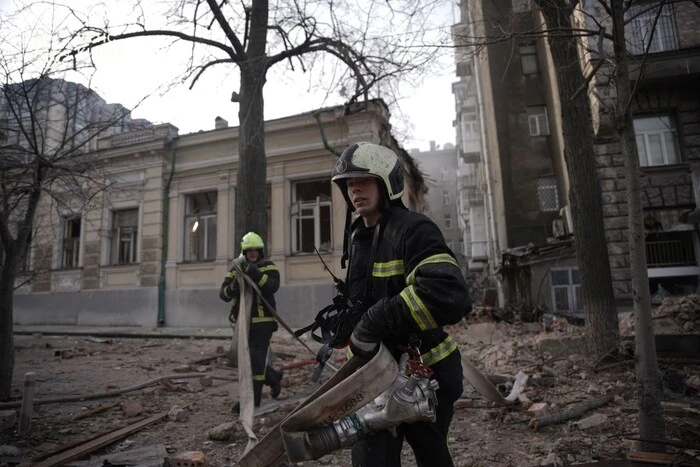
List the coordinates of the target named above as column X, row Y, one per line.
column 238, row 47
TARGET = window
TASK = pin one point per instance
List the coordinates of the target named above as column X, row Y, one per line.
column 470, row 126
column 450, row 244
column 657, row 142
column 448, row 221
column 461, row 246
column 537, row 120
column 445, row 174
column 124, row 236
column 547, row 194
column 200, row 226
column 71, row 243
column 446, row 198
column 566, row 290
column 528, row 59
column 311, row 212
column 644, row 30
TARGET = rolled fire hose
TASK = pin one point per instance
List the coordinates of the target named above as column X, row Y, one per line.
column 361, row 384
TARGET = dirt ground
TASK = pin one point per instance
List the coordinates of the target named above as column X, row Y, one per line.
column 482, row 435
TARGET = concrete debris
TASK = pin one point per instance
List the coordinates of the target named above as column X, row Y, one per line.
column 597, row 420
column 223, row 432
column 178, row 414
column 674, row 316
column 8, row 418
column 190, row 459
column 132, row 407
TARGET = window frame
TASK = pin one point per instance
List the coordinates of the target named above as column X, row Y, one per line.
column 644, row 153
column 115, row 254
column 300, row 210
column 547, row 184
column 528, row 54
column 533, row 116
column 208, row 220
column 572, row 287
column 447, row 221
column 70, row 244
column 642, row 23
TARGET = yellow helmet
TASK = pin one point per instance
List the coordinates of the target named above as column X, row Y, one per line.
column 252, row 241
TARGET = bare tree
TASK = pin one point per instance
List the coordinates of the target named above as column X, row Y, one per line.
column 597, row 295
column 611, row 66
column 357, row 54
column 48, row 131
column 651, row 420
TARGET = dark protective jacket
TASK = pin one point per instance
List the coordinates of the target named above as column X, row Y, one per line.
column 414, row 277
column 266, row 275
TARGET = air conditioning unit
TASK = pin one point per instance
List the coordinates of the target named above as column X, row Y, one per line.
column 565, row 214
column 559, row 228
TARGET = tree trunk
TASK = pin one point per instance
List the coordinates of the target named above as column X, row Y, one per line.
column 7, row 346
column 602, row 329
column 251, row 179
column 251, row 214
column 651, row 421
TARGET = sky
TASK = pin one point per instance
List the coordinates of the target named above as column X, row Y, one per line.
column 128, row 70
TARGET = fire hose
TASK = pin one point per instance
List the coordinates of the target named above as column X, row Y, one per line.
column 362, row 397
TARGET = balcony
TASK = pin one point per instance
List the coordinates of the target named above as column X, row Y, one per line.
column 472, row 153
column 670, row 253
column 479, row 251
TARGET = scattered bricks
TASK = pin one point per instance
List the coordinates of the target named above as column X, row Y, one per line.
column 190, row 459
column 524, row 401
column 8, row 418
column 178, row 414
column 132, row 408
column 223, row 432
column 206, row 381
column 537, row 409
column 594, row 421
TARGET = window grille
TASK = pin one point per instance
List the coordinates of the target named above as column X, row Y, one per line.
column 547, row 194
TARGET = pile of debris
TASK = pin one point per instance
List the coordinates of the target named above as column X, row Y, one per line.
column 679, row 315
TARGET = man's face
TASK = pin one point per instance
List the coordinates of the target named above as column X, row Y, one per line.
column 252, row 255
column 364, row 195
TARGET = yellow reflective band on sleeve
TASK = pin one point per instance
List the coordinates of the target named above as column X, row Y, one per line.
column 264, row 319
column 419, row 311
column 441, row 258
column 437, row 353
column 258, row 377
column 388, row 269
column 226, row 292
column 231, row 275
column 262, row 280
column 271, row 267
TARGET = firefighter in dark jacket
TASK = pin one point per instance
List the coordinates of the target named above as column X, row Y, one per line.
column 407, row 283
column 266, row 275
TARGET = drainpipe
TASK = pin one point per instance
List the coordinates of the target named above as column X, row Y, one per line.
column 170, row 145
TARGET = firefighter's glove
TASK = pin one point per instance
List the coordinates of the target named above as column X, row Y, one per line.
column 252, row 271
column 365, row 338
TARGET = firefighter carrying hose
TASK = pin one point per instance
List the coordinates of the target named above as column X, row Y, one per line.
column 266, row 275
column 406, row 284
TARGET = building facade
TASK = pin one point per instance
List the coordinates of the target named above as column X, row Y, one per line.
column 155, row 246
column 509, row 88
column 439, row 167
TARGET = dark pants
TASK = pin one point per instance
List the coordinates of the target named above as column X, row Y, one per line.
column 259, row 343
column 428, row 440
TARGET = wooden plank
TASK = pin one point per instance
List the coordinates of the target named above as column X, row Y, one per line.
column 663, row 459
column 98, row 443
column 149, row 455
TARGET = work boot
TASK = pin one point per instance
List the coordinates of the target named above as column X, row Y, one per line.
column 257, row 392
column 273, row 378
